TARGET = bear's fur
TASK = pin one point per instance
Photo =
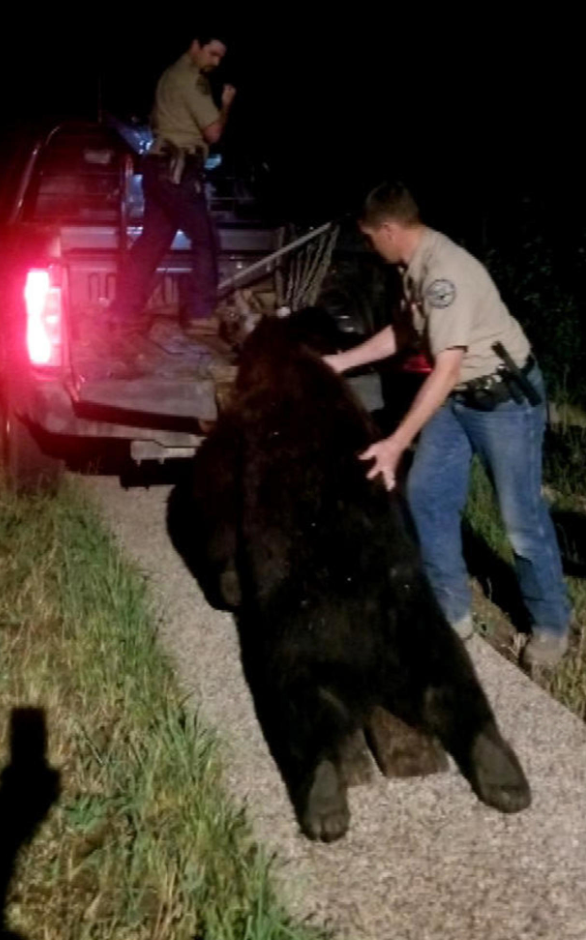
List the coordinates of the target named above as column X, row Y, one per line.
column 336, row 619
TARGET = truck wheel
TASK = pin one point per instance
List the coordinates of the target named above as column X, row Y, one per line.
column 27, row 467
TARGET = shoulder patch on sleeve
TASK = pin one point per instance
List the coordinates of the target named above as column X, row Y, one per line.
column 441, row 293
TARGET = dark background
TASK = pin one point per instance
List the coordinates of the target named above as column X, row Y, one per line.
column 480, row 113
column 471, row 110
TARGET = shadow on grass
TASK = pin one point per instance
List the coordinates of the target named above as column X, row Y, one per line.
column 496, row 577
column 28, row 789
column 571, row 532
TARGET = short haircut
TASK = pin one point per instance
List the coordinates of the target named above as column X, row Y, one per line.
column 204, row 35
column 390, row 202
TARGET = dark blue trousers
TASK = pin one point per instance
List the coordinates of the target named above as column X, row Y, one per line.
column 168, row 207
column 508, row 441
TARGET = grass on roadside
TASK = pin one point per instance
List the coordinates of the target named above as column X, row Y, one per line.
column 141, row 842
column 565, row 486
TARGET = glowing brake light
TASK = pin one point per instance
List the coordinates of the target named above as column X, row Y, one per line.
column 43, row 329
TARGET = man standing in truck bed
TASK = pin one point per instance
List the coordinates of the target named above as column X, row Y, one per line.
column 185, row 122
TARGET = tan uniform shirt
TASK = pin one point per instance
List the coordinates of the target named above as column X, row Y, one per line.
column 454, row 302
column 183, row 107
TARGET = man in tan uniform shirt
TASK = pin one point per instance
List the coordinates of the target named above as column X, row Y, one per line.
column 185, row 122
column 470, row 403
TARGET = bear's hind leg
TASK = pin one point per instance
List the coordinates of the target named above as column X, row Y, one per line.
column 464, row 723
column 356, row 762
column 495, row 774
column 307, row 728
column 322, row 809
column 445, row 699
column 320, row 798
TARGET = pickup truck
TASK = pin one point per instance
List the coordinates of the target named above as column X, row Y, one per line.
column 72, row 208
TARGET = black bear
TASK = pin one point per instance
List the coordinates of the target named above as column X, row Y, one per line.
column 336, row 619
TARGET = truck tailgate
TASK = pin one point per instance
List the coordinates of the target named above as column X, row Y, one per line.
column 151, row 395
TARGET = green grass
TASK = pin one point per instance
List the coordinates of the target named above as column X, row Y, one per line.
column 142, row 843
column 565, row 487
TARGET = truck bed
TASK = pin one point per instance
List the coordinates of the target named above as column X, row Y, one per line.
column 175, row 377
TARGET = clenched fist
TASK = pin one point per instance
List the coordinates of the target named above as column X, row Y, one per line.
column 228, row 95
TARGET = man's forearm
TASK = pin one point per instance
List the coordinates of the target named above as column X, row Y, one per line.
column 377, row 347
column 214, row 131
column 430, row 397
column 223, row 116
column 387, row 453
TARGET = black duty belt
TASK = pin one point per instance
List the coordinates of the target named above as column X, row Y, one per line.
column 506, row 384
column 179, row 161
column 167, row 149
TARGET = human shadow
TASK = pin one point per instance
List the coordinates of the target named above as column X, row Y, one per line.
column 497, row 578
column 28, row 789
column 570, row 528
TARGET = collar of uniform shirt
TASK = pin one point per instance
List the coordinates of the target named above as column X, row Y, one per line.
column 192, row 67
column 414, row 269
column 188, row 61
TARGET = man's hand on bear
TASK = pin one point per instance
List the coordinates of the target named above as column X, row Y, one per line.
column 386, row 455
column 336, row 361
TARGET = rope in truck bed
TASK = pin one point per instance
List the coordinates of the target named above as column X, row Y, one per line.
column 313, row 253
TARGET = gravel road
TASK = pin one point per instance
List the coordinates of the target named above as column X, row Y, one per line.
column 423, row 859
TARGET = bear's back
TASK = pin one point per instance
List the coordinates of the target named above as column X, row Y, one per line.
column 310, row 519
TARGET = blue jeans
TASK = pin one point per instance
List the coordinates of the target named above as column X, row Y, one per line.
column 509, row 443
column 168, row 207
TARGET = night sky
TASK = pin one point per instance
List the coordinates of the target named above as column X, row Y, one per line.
column 467, row 110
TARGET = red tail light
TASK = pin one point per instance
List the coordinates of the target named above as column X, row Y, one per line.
column 44, row 315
